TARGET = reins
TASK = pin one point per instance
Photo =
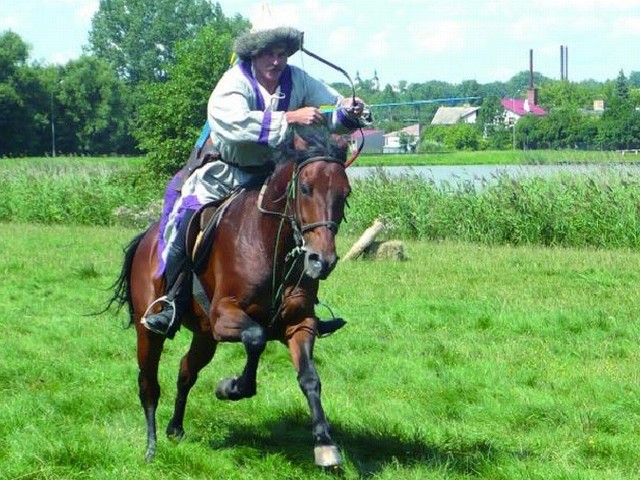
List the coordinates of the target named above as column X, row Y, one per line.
column 356, row 154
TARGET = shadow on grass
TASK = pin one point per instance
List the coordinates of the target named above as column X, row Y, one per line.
column 368, row 451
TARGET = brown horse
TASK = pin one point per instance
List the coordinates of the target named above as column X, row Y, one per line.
column 269, row 252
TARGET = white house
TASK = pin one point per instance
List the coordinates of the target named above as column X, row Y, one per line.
column 393, row 143
column 453, row 115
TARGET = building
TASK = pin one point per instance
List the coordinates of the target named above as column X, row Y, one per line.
column 453, row 115
column 515, row 108
column 403, row 141
column 373, row 140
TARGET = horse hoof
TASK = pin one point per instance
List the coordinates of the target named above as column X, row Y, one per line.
column 224, row 389
column 148, row 456
column 175, row 433
column 327, row 456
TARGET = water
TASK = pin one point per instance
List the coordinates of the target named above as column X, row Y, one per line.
column 479, row 174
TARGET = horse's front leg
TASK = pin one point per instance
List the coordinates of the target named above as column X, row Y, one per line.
column 301, row 342
column 233, row 324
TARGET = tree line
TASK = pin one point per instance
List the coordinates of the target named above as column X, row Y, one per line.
column 142, row 84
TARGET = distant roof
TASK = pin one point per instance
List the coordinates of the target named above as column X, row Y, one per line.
column 452, row 115
column 521, row 107
column 413, row 130
column 367, row 132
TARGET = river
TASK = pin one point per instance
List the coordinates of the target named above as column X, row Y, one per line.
column 454, row 174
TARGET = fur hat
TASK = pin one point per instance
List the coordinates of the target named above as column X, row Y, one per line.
column 257, row 41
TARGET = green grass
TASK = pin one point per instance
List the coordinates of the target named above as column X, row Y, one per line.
column 466, row 361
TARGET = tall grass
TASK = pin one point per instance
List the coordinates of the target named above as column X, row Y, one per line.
column 561, row 210
column 73, row 191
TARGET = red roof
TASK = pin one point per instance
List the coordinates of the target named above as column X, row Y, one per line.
column 517, row 106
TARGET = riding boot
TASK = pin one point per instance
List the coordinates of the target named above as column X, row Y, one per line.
column 327, row 327
column 178, row 286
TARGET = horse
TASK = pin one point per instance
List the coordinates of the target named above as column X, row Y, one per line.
column 270, row 250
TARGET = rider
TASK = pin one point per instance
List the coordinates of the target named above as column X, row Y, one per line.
column 249, row 114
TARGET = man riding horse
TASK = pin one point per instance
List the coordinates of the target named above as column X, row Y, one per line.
column 249, row 115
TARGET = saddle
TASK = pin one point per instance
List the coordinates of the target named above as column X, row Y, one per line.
column 199, row 237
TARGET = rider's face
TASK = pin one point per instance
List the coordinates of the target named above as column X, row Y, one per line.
column 269, row 64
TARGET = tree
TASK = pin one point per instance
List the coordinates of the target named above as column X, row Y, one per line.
column 139, row 36
column 172, row 119
column 92, row 109
column 24, row 100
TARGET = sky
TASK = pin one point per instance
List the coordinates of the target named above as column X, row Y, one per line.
column 399, row 40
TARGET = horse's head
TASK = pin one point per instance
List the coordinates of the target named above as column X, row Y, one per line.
column 321, row 191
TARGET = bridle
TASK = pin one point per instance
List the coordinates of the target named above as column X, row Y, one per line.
column 289, row 214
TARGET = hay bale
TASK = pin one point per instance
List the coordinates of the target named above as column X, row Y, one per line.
column 389, row 250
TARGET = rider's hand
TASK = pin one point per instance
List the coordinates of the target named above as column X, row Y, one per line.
column 305, row 116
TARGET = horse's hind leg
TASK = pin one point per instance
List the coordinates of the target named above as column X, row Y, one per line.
column 301, row 347
column 200, row 353
column 149, row 350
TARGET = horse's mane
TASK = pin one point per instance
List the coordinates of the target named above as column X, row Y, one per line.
column 319, row 143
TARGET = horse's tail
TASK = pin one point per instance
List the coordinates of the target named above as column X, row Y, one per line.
column 122, row 286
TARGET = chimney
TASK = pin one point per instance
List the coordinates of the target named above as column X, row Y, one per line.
column 564, row 62
column 531, row 68
column 532, row 92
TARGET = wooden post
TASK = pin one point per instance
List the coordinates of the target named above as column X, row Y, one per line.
column 364, row 241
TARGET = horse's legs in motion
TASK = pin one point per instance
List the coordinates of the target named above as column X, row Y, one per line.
column 253, row 337
column 200, row 353
column 301, row 348
column 149, row 350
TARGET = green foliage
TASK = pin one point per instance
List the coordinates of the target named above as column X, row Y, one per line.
column 175, row 111
column 138, row 37
column 24, row 100
column 461, row 136
column 94, row 115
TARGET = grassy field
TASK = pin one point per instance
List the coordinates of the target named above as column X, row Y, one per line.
column 464, row 362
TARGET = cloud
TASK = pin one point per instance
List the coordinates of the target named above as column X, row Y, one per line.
column 626, row 27
column 61, row 58
column 10, row 22
column 441, row 37
column 585, row 5
column 378, row 45
column 85, row 10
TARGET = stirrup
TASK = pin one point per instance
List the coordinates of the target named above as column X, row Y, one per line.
column 170, row 303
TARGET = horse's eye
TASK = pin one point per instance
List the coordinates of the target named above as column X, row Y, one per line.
column 305, row 188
